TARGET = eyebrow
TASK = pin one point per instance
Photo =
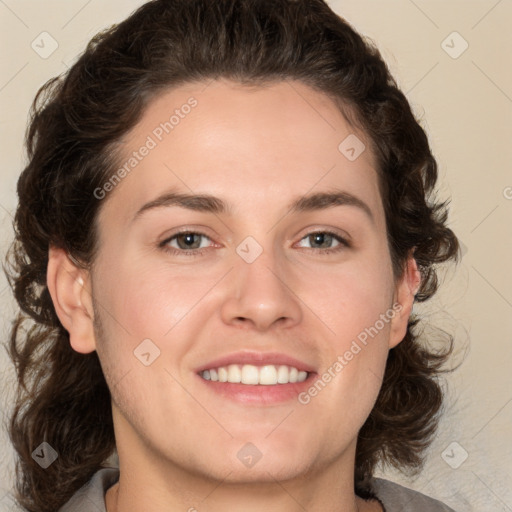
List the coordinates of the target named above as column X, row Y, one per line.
column 211, row 204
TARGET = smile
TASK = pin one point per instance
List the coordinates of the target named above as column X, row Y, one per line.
column 267, row 375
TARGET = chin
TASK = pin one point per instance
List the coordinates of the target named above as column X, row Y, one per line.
column 266, row 461
column 250, row 462
column 264, row 472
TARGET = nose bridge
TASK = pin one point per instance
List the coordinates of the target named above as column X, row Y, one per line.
column 261, row 277
column 260, row 294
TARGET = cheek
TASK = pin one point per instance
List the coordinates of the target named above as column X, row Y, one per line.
column 363, row 327
column 350, row 299
column 149, row 301
column 356, row 304
column 140, row 303
column 350, row 380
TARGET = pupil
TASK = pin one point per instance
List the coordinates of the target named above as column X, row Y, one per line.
column 321, row 239
column 188, row 241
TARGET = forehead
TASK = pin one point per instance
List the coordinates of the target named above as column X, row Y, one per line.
column 247, row 145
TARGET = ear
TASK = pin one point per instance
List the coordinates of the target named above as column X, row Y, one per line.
column 405, row 291
column 69, row 287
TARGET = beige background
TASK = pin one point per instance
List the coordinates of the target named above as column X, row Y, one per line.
column 465, row 103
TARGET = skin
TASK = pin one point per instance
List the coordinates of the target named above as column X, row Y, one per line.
column 257, row 149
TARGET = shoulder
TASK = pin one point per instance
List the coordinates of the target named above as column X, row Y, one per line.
column 397, row 498
column 91, row 497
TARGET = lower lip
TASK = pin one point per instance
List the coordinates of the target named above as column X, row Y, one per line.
column 259, row 394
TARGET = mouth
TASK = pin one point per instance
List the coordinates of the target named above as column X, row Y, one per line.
column 249, row 377
column 252, row 375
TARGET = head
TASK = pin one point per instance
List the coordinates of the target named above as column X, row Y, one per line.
column 281, row 122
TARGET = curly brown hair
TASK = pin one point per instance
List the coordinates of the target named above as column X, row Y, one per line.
column 76, row 120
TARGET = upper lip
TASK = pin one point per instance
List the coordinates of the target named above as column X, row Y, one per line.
column 257, row 359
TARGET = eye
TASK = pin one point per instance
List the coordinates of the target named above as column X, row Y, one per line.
column 186, row 241
column 323, row 241
column 192, row 242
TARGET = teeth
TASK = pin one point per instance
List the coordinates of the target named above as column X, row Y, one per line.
column 223, row 374
column 250, row 374
column 234, row 373
column 282, row 374
column 268, row 375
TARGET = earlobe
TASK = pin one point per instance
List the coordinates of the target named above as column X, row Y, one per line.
column 405, row 292
column 68, row 285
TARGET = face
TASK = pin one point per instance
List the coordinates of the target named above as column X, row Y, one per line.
column 243, row 243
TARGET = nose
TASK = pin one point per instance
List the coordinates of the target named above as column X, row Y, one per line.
column 261, row 295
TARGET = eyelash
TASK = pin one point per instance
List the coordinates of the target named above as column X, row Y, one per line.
column 343, row 243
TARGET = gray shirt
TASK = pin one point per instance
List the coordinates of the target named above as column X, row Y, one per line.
column 394, row 497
